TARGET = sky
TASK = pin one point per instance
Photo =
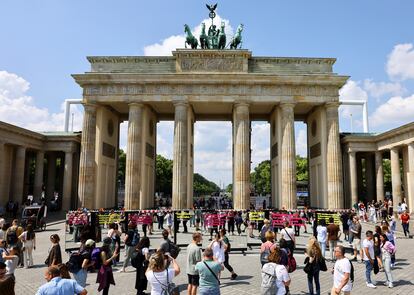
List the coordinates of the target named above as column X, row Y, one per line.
column 44, row 42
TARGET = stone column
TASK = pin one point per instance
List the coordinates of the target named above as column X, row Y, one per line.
column 288, row 156
column 369, row 177
column 353, row 178
column 19, row 173
column 86, row 188
column 67, row 181
column 395, row 175
column 334, row 162
column 133, row 157
column 180, row 157
column 51, row 175
column 38, row 181
column 241, row 140
column 3, row 197
column 410, row 177
column 379, row 172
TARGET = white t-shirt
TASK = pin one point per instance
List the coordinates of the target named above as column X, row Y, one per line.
column 218, row 252
column 342, row 266
column 282, row 276
column 403, row 207
column 158, row 280
column 370, row 245
column 322, row 233
column 284, row 233
column 11, row 265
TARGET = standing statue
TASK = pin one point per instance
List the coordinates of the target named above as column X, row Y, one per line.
column 190, row 39
column 237, row 39
column 222, row 37
column 203, row 37
column 213, row 37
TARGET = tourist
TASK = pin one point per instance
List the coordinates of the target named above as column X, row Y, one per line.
column 28, row 239
column 355, row 230
column 288, row 235
column 115, row 236
column 55, row 254
column 131, row 240
column 341, row 273
column 377, row 245
column 387, row 249
column 322, row 233
column 238, row 221
column 159, row 275
column 391, row 238
column 86, row 261
column 372, row 212
column 390, row 207
column 217, row 245
column 230, row 222
column 11, row 260
column 333, row 236
column 160, row 218
column 12, row 235
column 165, row 245
column 193, row 257
column 105, row 275
column 140, row 262
column 209, row 270
column 227, row 248
column 2, row 249
column 405, row 221
column 275, row 277
column 313, row 260
column 3, row 231
column 6, row 282
column 169, row 221
column 57, row 286
column 369, row 256
column 266, row 247
column 266, row 227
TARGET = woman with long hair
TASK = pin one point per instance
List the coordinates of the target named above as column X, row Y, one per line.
column 387, row 250
column 55, row 254
column 313, row 255
column 275, row 277
column 377, row 248
column 390, row 236
column 105, row 275
column 159, row 275
column 141, row 262
column 28, row 239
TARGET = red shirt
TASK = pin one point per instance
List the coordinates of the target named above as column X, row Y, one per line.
column 405, row 218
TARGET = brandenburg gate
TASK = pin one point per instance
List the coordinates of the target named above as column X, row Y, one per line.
column 208, row 84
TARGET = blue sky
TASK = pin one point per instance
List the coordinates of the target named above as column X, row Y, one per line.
column 43, row 42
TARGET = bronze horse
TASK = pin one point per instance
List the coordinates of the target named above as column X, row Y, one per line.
column 190, row 39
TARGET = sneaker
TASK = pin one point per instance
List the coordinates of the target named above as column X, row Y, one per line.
column 233, row 276
column 371, row 285
column 390, row 285
column 386, row 283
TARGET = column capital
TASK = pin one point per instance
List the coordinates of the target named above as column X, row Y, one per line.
column 332, row 104
column 89, row 107
column 180, row 103
column 287, row 104
column 395, row 149
column 135, row 104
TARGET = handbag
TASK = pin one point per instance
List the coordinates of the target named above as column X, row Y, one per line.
column 322, row 264
column 170, row 288
column 308, row 266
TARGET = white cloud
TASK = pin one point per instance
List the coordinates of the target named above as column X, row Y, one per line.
column 396, row 111
column 378, row 89
column 351, row 91
column 18, row 108
column 400, row 65
column 260, row 143
column 169, row 44
column 301, row 143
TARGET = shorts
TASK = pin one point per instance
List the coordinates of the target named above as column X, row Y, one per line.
column 193, row 279
column 356, row 244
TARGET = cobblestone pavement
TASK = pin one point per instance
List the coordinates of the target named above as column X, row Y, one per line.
column 246, row 266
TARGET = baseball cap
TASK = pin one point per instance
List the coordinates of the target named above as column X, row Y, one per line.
column 89, row 243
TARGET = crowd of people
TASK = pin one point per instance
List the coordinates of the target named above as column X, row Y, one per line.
column 156, row 265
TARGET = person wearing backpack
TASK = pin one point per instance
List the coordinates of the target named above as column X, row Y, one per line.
column 160, row 276
column 13, row 233
column 275, row 277
column 131, row 241
column 387, row 250
column 266, row 247
column 288, row 235
column 209, row 270
column 343, row 274
column 28, row 239
column 105, row 276
column 84, row 261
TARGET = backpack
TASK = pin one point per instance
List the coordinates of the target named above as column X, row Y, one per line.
column 11, row 238
column 75, row 262
column 264, row 256
column 269, row 278
column 96, row 258
column 291, row 264
column 137, row 259
column 174, row 249
column 135, row 238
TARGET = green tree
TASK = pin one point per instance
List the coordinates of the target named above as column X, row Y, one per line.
column 301, row 168
column 121, row 166
column 202, row 186
column 386, row 164
column 260, row 178
column 163, row 175
column 229, row 188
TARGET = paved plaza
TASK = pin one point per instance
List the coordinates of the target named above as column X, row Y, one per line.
column 246, row 266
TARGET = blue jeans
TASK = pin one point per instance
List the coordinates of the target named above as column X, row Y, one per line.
column 323, row 248
column 209, row 291
column 81, row 276
column 311, row 277
column 368, row 269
